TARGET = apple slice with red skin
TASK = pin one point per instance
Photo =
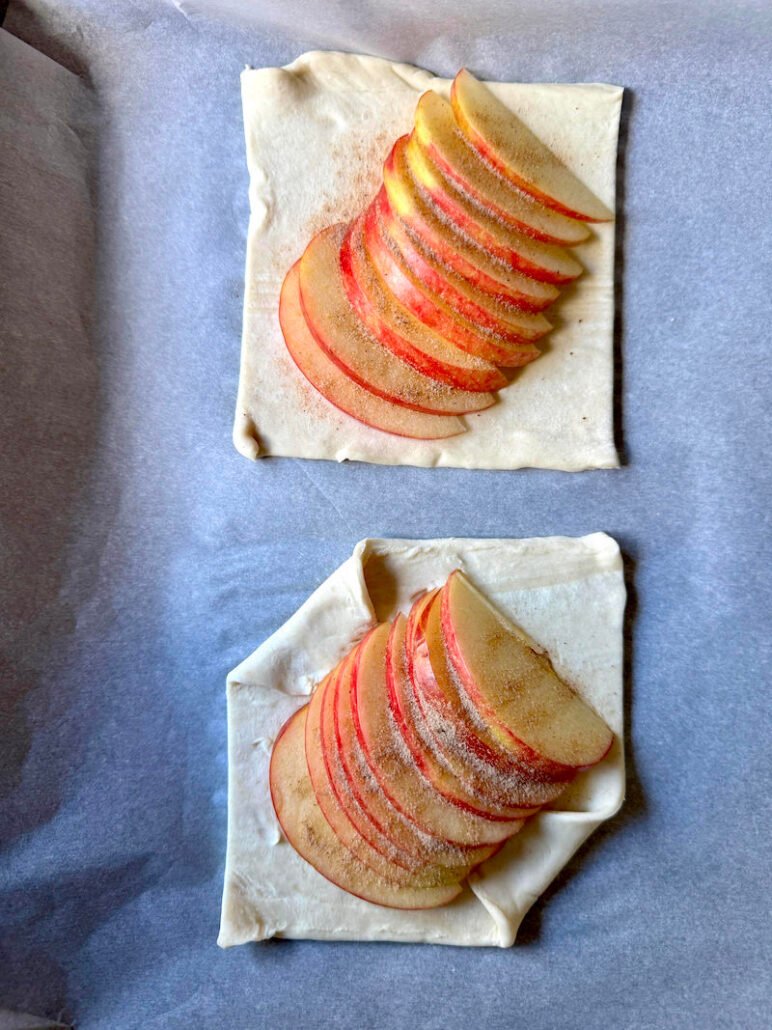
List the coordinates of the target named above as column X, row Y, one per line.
column 513, row 686
column 465, row 740
column 341, row 391
column 437, row 132
column 342, row 811
column 340, row 334
column 454, row 251
column 398, row 329
column 331, row 791
column 420, row 746
column 394, row 766
column 416, row 848
column 539, row 260
column 510, row 147
column 312, row 837
column 325, row 754
column 510, row 346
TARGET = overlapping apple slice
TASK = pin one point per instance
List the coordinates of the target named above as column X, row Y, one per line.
column 518, row 154
column 426, row 749
column 404, row 318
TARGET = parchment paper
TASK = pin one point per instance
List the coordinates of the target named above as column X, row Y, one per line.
column 143, row 557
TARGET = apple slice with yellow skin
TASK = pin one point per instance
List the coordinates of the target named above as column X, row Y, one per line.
column 398, row 329
column 396, row 769
column 437, row 133
column 454, row 251
column 415, row 847
column 418, row 741
column 341, row 391
column 340, row 334
column 510, row 147
column 312, row 837
column 501, row 335
column 512, row 684
column 543, row 261
column 466, row 741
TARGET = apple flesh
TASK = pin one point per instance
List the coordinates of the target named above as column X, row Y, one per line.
column 416, row 847
column 514, row 688
column 493, row 822
column 309, row 833
column 407, row 203
column 437, row 133
column 393, row 763
column 466, row 740
column 398, row 329
column 543, row 261
column 337, row 329
column 510, row 147
column 340, row 390
column 333, row 795
column 500, row 334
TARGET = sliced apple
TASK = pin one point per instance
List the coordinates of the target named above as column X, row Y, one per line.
column 416, row 848
column 501, row 335
column 514, row 687
column 437, row 132
column 340, row 334
column 312, row 837
column 332, row 794
column 398, row 329
column 419, row 744
column 543, row 261
column 468, row 745
column 516, row 153
column 340, row 390
column 454, row 251
column 401, row 777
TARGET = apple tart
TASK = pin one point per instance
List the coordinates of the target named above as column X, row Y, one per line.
column 408, row 763
column 443, row 220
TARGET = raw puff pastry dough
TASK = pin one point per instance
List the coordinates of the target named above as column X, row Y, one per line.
column 317, row 133
column 568, row 593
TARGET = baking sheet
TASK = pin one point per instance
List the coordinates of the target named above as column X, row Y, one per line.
column 146, row 557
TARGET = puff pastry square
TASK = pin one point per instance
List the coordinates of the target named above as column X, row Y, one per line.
column 317, row 133
column 569, row 594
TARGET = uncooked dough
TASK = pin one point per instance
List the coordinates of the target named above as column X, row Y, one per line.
column 569, row 594
column 317, row 133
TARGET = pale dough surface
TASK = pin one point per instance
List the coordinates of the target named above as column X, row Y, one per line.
column 569, row 594
column 317, row 133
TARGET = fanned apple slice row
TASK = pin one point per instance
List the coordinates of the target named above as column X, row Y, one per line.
column 468, row 741
column 395, row 768
column 339, row 332
column 309, row 833
column 416, row 848
column 507, row 796
column 499, row 335
column 330, row 795
column 418, row 740
column 328, row 768
column 340, row 809
column 340, row 390
column 454, row 251
column 398, row 329
column 507, row 144
column 437, row 132
column 543, row 261
column 514, row 687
